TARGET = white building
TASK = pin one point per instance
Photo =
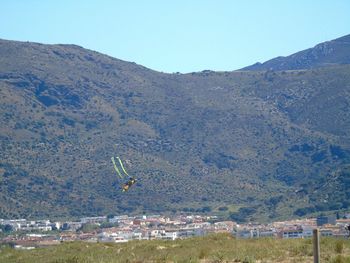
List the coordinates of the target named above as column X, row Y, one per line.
column 93, row 220
column 292, row 233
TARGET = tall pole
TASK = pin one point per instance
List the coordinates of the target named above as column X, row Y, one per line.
column 316, row 243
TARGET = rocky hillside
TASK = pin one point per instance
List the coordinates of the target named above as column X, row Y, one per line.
column 245, row 144
column 335, row 52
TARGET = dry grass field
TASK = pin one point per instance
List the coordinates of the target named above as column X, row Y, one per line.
column 212, row 248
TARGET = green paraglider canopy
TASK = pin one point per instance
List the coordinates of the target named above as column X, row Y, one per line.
column 131, row 181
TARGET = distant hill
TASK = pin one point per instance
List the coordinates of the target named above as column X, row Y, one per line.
column 335, row 52
column 249, row 145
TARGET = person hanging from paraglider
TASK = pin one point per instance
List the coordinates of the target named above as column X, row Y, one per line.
column 131, row 180
column 126, row 186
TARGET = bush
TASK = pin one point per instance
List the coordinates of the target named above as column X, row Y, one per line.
column 339, row 246
column 6, row 228
column 339, row 259
column 304, row 211
column 223, row 208
column 205, row 209
column 203, row 253
column 88, row 228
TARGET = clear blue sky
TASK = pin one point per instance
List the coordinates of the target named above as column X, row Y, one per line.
column 179, row 35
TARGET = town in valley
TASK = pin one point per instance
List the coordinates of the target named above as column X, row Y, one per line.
column 29, row 234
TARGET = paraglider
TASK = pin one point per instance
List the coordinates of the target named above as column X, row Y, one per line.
column 128, row 184
column 131, row 180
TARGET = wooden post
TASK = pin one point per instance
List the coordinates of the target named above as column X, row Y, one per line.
column 316, row 243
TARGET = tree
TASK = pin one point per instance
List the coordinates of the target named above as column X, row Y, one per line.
column 6, row 228
column 109, row 216
column 88, row 228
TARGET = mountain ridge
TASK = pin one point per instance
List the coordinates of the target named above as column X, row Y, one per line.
column 255, row 144
column 334, row 52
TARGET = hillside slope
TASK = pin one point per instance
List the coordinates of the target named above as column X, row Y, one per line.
column 335, row 52
column 274, row 144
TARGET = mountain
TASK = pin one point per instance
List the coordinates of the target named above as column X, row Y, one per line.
column 249, row 145
column 335, row 52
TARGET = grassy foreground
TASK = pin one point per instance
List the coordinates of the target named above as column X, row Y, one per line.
column 212, row 248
